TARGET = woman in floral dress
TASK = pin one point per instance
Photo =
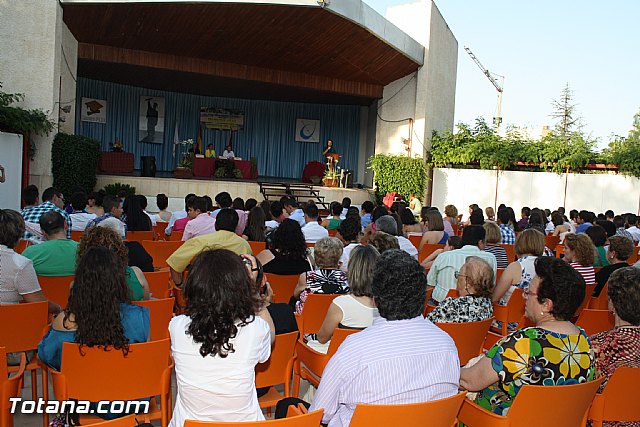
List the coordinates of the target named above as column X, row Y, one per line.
column 554, row 352
column 620, row 346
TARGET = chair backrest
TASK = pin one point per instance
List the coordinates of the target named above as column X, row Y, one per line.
column 311, row 245
column 499, row 272
column 21, row 246
column 257, row 247
column 415, row 239
column 282, row 286
column 332, row 233
column 159, row 229
column 439, row 413
column 468, row 337
column 139, row 236
column 594, row 321
column 456, row 229
column 428, row 249
column 314, row 311
column 570, row 404
column 23, row 325
column 510, row 250
column 56, row 288
column 175, row 236
column 160, row 314
column 601, row 302
column 159, row 283
column 9, row 387
column 615, row 401
column 338, row 337
column 128, row 421
column 76, row 235
column 160, row 250
column 551, row 242
column 587, row 297
column 277, row 370
column 634, row 256
column 311, row 419
column 515, row 305
column 145, row 371
column 559, row 251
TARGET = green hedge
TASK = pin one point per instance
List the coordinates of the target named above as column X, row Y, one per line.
column 404, row 175
column 74, row 160
column 115, row 188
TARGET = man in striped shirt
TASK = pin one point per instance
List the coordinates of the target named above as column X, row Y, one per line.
column 401, row 358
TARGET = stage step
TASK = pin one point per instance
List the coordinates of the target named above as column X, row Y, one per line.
column 301, row 192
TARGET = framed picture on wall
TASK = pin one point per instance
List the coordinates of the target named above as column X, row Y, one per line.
column 93, row 110
column 307, row 130
column 151, row 120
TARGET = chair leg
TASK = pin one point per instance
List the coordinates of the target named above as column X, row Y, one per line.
column 34, row 385
column 45, row 395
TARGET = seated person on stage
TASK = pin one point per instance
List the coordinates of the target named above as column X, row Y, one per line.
column 553, row 352
column 389, row 225
column 415, row 205
column 288, row 253
column 327, row 278
column 181, row 223
column 56, row 256
column 441, row 275
column 178, row 215
column 228, row 152
column 79, row 215
column 356, row 310
column 210, row 152
column 400, row 370
column 312, row 230
column 112, row 213
column 475, row 288
column 201, row 222
column 224, row 238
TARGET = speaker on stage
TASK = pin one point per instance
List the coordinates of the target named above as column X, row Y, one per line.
column 148, row 166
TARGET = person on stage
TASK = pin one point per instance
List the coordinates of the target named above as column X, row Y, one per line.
column 228, row 152
column 210, row 152
column 329, row 149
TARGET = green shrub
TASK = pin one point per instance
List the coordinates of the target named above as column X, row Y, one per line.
column 74, row 160
column 115, row 188
column 404, row 175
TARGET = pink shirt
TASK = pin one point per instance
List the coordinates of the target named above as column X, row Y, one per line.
column 180, row 224
column 199, row 226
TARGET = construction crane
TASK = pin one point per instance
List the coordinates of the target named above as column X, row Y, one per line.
column 498, row 119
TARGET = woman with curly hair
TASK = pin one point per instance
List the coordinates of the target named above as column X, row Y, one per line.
column 536, row 355
column 225, row 332
column 103, row 236
column 288, row 252
column 98, row 312
column 579, row 252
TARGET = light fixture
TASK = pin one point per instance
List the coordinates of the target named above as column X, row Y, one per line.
column 66, row 109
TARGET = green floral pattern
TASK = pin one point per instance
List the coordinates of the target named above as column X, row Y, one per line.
column 538, row 357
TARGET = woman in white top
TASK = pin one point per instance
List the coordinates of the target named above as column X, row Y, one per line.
column 216, row 345
column 356, row 310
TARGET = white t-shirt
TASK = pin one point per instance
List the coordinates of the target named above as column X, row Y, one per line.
column 346, row 253
column 17, row 276
column 313, row 232
column 407, row 246
column 213, row 388
column 80, row 220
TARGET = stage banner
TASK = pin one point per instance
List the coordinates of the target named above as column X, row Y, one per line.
column 221, row 118
column 307, row 130
column 151, row 120
column 93, row 110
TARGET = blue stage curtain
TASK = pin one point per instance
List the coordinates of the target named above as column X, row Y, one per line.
column 268, row 134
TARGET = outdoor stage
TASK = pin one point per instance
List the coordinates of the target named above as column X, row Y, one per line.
column 176, row 189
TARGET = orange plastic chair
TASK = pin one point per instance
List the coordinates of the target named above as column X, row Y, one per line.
column 56, row 288
column 634, row 256
column 22, row 329
column 294, row 419
column 159, row 283
column 21, row 246
column 415, row 239
column 175, row 236
column 159, row 230
column 9, row 387
column 499, row 272
column 277, row 370
column 511, row 251
column 139, row 236
column 601, row 302
column 310, row 245
column 617, row 402
column 309, row 364
column 313, row 312
column 332, row 233
column 456, row 229
column 76, row 235
column 428, row 249
column 257, row 247
column 468, row 337
column 559, row 251
column 128, row 421
column 283, row 286
column 594, row 321
column 428, row 308
column 551, row 241
column 512, row 312
column 570, row 406
column 160, row 314
column 587, row 298
column 144, row 372
column 160, row 251
column 439, row 413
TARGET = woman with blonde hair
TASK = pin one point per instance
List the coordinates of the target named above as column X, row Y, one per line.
column 451, row 214
column 491, row 213
column 579, row 252
column 519, row 274
column 435, row 232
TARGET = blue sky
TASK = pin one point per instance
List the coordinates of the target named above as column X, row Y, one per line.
column 539, row 47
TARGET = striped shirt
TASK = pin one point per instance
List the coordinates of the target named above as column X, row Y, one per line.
column 500, row 253
column 33, row 214
column 587, row 272
column 389, row 363
column 508, row 236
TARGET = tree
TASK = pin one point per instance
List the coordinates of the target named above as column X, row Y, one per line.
column 564, row 110
column 634, row 133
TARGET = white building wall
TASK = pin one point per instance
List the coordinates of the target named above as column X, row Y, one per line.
column 545, row 190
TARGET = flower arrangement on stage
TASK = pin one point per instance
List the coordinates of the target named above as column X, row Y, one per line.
column 188, row 155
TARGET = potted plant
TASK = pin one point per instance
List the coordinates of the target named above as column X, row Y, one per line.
column 185, row 166
column 331, row 178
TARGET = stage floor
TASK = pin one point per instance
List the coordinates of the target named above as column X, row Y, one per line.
column 176, row 189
